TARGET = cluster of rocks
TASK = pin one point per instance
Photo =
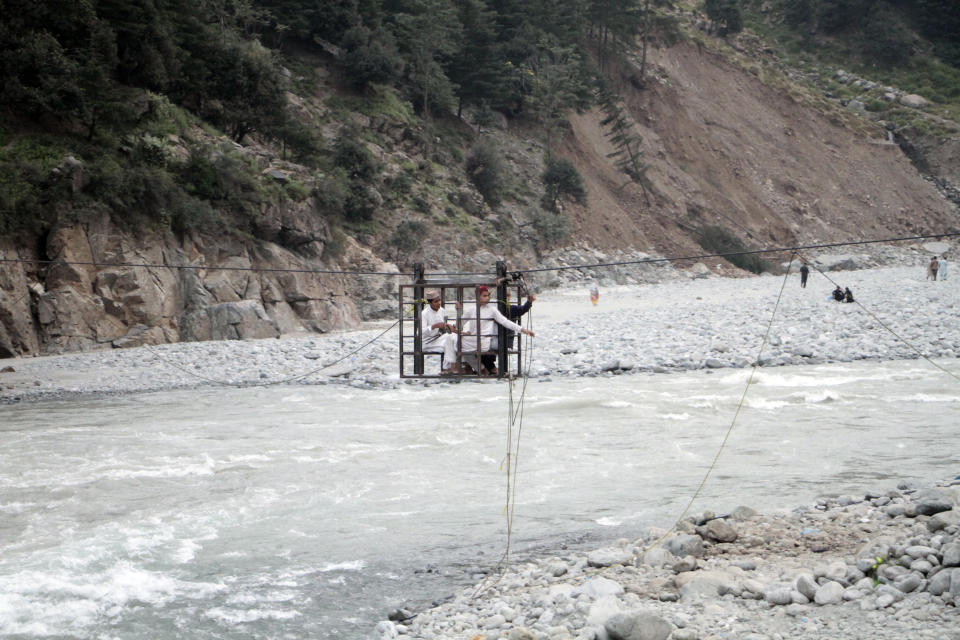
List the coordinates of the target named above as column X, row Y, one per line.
column 884, row 565
column 886, row 93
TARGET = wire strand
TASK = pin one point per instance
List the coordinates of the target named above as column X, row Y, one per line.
column 736, row 414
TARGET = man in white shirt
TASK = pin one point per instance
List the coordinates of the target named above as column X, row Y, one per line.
column 943, row 268
column 437, row 335
column 488, row 315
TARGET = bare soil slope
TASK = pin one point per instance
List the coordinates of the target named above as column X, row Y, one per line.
column 724, row 148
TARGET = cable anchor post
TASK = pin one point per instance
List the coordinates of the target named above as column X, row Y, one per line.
column 418, row 293
column 503, row 365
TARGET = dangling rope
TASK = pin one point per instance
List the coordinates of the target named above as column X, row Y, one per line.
column 511, row 462
column 228, row 383
column 736, row 415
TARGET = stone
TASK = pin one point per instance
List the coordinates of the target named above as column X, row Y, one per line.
column 657, row 557
column 806, row 585
column 932, row 501
column 914, row 101
column 951, row 555
column 829, row 593
column 720, row 531
column 597, row 588
column 943, row 520
column 743, row 513
column 638, row 626
column 609, row 556
column 909, row 582
column 778, row 594
column 684, row 544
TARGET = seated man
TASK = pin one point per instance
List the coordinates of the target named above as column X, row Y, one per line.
column 437, row 335
column 516, row 312
column 838, row 294
column 847, row 295
column 472, row 329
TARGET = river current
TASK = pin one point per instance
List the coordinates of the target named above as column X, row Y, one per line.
column 313, row 511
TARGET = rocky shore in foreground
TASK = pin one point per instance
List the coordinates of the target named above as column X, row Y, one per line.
column 680, row 324
column 884, row 566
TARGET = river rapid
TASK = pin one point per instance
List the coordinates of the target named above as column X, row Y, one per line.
column 301, row 511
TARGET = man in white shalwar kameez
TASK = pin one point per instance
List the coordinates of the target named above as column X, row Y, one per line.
column 436, row 335
column 489, row 314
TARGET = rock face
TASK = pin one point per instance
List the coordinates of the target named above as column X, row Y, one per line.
column 226, row 289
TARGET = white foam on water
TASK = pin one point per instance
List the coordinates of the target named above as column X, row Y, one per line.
column 349, row 565
column 47, row 603
column 608, row 522
column 616, row 404
column 240, row 616
column 922, row 397
column 678, row 417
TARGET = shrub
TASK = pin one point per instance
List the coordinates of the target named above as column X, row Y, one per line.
column 551, row 226
column 562, row 179
column 407, row 238
column 488, row 171
column 717, row 239
column 353, row 156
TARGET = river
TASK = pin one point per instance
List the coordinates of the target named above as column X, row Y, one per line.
column 313, row 511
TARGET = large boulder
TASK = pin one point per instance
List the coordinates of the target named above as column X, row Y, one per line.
column 635, row 625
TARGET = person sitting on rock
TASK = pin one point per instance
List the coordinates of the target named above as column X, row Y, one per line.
column 437, row 335
column 847, row 295
column 482, row 330
column 838, row 294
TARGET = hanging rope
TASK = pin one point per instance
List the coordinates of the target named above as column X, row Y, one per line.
column 736, row 414
column 511, row 462
column 228, row 383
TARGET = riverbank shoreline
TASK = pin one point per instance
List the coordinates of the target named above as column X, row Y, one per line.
column 883, row 565
column 682, row 325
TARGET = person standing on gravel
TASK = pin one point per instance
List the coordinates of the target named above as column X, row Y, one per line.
column 804, row 272
column 943, row 268
column 932, row 268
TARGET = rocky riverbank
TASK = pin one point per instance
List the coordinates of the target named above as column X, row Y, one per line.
column 684, row 321
column 885, row 565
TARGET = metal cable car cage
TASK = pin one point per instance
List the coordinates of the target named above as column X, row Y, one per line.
column 415, row 363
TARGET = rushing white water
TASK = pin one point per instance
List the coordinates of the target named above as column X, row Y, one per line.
column 314, row 511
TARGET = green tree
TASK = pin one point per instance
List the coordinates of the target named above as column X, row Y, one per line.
column 370, row 56
column 627, row 154
column 561, row 179
column 725, row 15
column 488, row 171
column 886, row 39
column 477, row 64
column 427, row 34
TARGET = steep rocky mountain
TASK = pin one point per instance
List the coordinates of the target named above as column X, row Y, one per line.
column 730, row 139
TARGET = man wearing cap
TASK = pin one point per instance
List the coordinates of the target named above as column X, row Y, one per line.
column 438, row 336
column 488, row 315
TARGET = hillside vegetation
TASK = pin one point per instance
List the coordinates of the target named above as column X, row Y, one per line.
column 311, row 134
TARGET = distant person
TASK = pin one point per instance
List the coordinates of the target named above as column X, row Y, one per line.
column 932, row 268
column 804, row 272
column 594, row 294
column 838, row 294
column 437, row 335
column 943, row 268
column 515, row 313
column 847, row 295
